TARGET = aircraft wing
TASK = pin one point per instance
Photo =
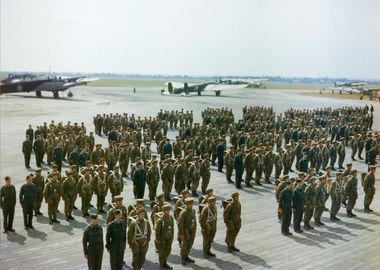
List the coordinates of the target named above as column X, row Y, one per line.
column 347, row 89
column 220, row 87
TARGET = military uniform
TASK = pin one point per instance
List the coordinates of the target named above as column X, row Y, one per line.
column 8, row 203
column 100, row 187
column 285, row 204
column 115, row 243
column 298, row 207
column 113, row 207
column 139, row 180
column 180, row 177
column 164, row 231
column 167, row 176
column 85, row 191
column 27, row 151
column 319, row 203
column 351, row 191
column 187, row 226
column 152, row 179
column 232, row 219
column 369, row 189
column 69, row 193
column 139, row 233
column 93, row 246
column 335, row 191
column 229, row 162
column 115, row 183
column 309, row 205
column 205, row 174
column 52, row 195
column 39, row 182
column 27, row 199
column 208, row 222
column 239, row 169
column 195, row 174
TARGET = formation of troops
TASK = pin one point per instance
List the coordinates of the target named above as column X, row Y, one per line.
column 259, row 148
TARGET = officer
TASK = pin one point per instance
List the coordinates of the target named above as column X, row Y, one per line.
column 116, row 240
column 232, row 219
column 27, row 198
column 139, row 233
column 39, row 181
column 8, row 203
column 139, row 180
column 187, row 226
column 208, row 222
column 93, row 244
column 285, row 207
column 52, row 195
column 164, row 230
column 298, row 206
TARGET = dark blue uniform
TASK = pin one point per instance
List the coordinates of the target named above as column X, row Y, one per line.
column 285, row 203
column 220, row 154
column 93, row 246
column 239, row 169
column 298, row 206
column 8, row 203
column 27, row 199
column 139, row 180
column 116, row 238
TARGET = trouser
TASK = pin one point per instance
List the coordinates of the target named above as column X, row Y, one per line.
column 124, row 168
column 318, row 213
column 138, row 256
column 195, row 183
column 8, row 215
column 164, row 249
column 248, row 176
column 208, row 238
column 309, row 210
column 94, row 261
column 116, row 258
column 238, row 176
column 360, row 151
column 286, row 170
column 49, row 157
column 37, row 205
column 152, row 191
column 27, row 210
column 27, row 159
column 277, row 172
column 187, row 243
column 229, row 170
column 100, row 201
column 140, row 190
column 368, row 198
column 354, row 150
column 231, row 234
column 220, row 164
column 39, row 157
column 335, row 204
column 340, row 161
column 86, row 199
column 297, row 218
column 52, row 208
column 332, row 162
column 167, row 187
column 268, row 172
column 286, row 219
column 205, row 181
column 350, row 204
column 179, row 185
column 259, row 173
column 69, row 204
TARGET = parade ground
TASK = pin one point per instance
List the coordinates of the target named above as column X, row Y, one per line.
column 352, row 243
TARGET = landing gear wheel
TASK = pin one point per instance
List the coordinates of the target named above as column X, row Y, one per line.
column 38, row 94
column 55, row 95
column 70, row 94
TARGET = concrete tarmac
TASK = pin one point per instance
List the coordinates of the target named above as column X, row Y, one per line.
column 349, row 244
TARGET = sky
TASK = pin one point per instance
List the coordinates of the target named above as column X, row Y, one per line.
column 293, row 38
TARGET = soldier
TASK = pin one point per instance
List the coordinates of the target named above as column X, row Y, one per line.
column 319, row 201
column 139, row 233
column 100, row 187
column 285, row 207
column 167, row 176
column 97, row 154
column 118, row 204
column 8, row 203
column 195, row 174
column 116, row 239
column 69, row 193
column 111, row 155
column 27, row 198
column 341, row 153
column 139, row 180
column 27, row 151
column 30, row 133
column 93, row 244
column 309, row 203
column 239, row 168
column 85, row 191
column 38, row 148
column 232, row 219
column 58, row 156
column 259, row 166
column 351, row 192
column 152, row 179
column 115, row 182
column 229, row 162
column 220, row 153
column 187, row 226
column 205, row 172
column 278, row 163
column 333, row 155
column 124, row 157
column 52, row 195
column 268, row 164
column 180, row 176
column 208, row 222
column 164, row 231
column 335, row 191
column 369, row 188
column 39, row 181
column 250, row 164
column 298, row 206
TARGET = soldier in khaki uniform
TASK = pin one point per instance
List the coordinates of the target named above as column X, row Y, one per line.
column 369, row 188
column 232, row 219
column 167, row 176
column 208, row 222
column 249, row 166
column 100, row 187
column 39, row 181
column 139, row 233
column 319, row 200
column 229, row 162
column 335, row 191
column 118, row 204
column 187, row 226
column 124, row 157
column 195, row 174
column 152, row 179
column 180, row 176
column 205, row 172
column 309, row 203
column 115, row 182
column 85, row 191
column 68, row 192
column 351, row 192
column 164, row 230
column 52, row 195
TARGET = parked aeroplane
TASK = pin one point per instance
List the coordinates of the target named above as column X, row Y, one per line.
column 187, row 88
column 250, row 83
column 20, row 83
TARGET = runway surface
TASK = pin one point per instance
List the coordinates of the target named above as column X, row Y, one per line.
column 348, row 244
